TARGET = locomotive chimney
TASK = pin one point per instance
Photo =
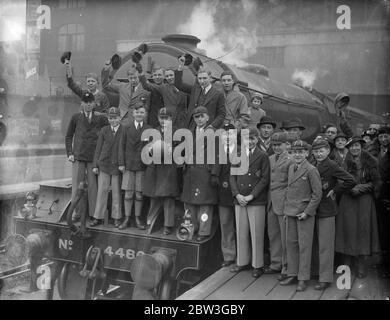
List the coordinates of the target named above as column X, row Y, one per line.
column 182, row 40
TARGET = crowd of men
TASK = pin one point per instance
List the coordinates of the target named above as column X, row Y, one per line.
column 310, row 201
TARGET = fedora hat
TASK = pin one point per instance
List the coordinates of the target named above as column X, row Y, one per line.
column 266, row 120
column 294, row 123
column 65, row 56
column 116, row 61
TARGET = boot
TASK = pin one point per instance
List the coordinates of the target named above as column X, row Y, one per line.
column 139, row 223
column 124, row 224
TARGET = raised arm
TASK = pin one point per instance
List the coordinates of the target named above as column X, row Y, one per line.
column 69, row 77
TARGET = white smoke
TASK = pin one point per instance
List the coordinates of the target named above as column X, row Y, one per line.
column 224, row 39
column 304, row 78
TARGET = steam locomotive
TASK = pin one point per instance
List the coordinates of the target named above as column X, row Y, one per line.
column 102, row 262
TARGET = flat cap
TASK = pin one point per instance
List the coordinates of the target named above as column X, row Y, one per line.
column 300, row 145
column 383, row 130
column 320, row 143
column 253, row 132
column 199, row 110
column 279, row 137
column 164, row 113
column 294, row 123
column 114, row 112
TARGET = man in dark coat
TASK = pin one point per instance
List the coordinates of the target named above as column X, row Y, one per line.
column 130, row 163
column 266, row 128
column 225, row 199
column 161, row 180
column 199, row 183
column 335, row 180
column 204, row 94
column 173, row 99
column 101, row 100
column 250, row 192
column 105, row 164
column 80, row 142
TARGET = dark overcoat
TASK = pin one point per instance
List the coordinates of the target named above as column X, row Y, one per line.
column 161, row 180
column 107, row 150
column 356, row 223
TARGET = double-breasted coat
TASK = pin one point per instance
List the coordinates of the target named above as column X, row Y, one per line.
column 107, row 150
column 161, row 180
column 197, row 188
column 255, row 181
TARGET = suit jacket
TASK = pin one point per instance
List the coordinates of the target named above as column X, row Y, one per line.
column 81, row 136
column 156, row 102
column 304, row 190
column 333, row 177
column 214, row 102
column 131, row 147
column 173, row 99
column 255, row 181
column 127, row 96
column 269, row 151
column 279, row 181
column 101, row 99
column 107, row 150
column 237, row 111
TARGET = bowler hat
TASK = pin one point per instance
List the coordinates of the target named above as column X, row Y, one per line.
column 199, row 110
column 139, row 52
column 143, row 48
column 279, row 137
column 165, row 113
column 355, row 139
column 116, row 61
column 113, row 112
column 294, row 123
column 300, row 145
column 65, row 56
column 320, row 143
column 340, row 135
column 266, row 120
column 87, row 97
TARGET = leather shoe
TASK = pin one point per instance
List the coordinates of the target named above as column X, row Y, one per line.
column 268, row 270
column 140, row 224
column 226, row 263
column 95, row 222
column 117, row 223
column 282, row 276
column 288, row 281
column 321, row 285
column 124, row 224
column 301, row 285
column 167, row 230
column 257, row 272
column 237, row 268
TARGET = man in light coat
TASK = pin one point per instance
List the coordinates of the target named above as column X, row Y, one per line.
column 304, row 192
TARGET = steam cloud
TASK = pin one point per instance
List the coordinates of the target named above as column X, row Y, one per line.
column 304, row 78
column 225, row 28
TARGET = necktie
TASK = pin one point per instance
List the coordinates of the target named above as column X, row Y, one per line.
column 89, row 117
column 295, row 168
column 113, row 132
column 138, row 126
column 276, row 158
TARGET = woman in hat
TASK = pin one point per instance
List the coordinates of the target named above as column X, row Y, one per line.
column 340, row 151
column 356, row 223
